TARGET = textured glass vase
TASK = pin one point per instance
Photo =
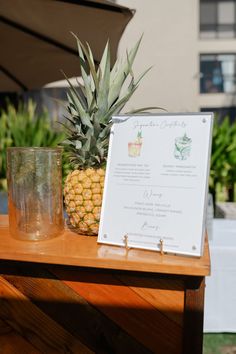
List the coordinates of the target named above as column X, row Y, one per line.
column 34, row 192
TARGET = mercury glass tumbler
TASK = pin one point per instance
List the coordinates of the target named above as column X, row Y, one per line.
column 35, row 204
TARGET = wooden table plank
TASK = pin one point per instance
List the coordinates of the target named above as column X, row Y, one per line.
column 78, row 250
column 166, row 295
column 136, row 315
column 193, row 315
column 34, row 325
column 71, row 311
column 11, row 342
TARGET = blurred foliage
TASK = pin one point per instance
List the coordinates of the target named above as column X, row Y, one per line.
column 24, row 127
column 223, row 159
column 218, row 343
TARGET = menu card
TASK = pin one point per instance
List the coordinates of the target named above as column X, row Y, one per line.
column 156, row 182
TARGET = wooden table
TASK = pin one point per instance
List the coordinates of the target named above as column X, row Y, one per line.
column 71, row 295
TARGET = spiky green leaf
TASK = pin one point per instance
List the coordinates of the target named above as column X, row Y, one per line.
column 121, row 75
column 104, row 93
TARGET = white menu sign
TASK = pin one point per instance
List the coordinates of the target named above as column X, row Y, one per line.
column 157, row 182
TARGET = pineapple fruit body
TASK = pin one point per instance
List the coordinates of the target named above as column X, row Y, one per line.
column 83, row 199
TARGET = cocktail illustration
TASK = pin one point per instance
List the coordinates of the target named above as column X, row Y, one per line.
column 182, row 147
column 134, row 148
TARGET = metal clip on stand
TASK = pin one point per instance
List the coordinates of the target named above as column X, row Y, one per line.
column 125, row 239
column 161, row 246
column 126, row 243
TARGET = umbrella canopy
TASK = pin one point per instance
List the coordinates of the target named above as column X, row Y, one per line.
column 36, row 43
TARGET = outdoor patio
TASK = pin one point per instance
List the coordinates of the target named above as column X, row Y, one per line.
column 131, row 149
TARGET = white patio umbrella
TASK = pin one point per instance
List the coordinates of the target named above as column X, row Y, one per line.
column 36, row 41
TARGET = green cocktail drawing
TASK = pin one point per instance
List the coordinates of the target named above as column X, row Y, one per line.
column 182, row 147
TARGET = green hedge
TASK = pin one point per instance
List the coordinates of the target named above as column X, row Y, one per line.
column 24, row 127
column 223, row 159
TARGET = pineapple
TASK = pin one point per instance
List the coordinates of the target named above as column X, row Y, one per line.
column 104, row 93
column 83, row 198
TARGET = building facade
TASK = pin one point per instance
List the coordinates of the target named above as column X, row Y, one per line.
column 191, row 45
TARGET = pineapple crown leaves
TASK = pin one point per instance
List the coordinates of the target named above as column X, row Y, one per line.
column 104, row 93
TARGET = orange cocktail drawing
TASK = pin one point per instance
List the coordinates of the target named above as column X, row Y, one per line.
column 134, row 148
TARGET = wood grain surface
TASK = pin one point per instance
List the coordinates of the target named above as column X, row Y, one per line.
column 70, row 295
column 193, row 314
column 34, row 325
column 71, row 311
column 102, row 313
column 11, row 342
column 132, row 312
column 73, row 249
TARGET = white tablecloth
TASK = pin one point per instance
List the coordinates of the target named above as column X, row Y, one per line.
column 220, row 294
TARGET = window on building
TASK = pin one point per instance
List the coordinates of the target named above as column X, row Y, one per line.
column 218, row 73
column 222, row 112
column 217, row 18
